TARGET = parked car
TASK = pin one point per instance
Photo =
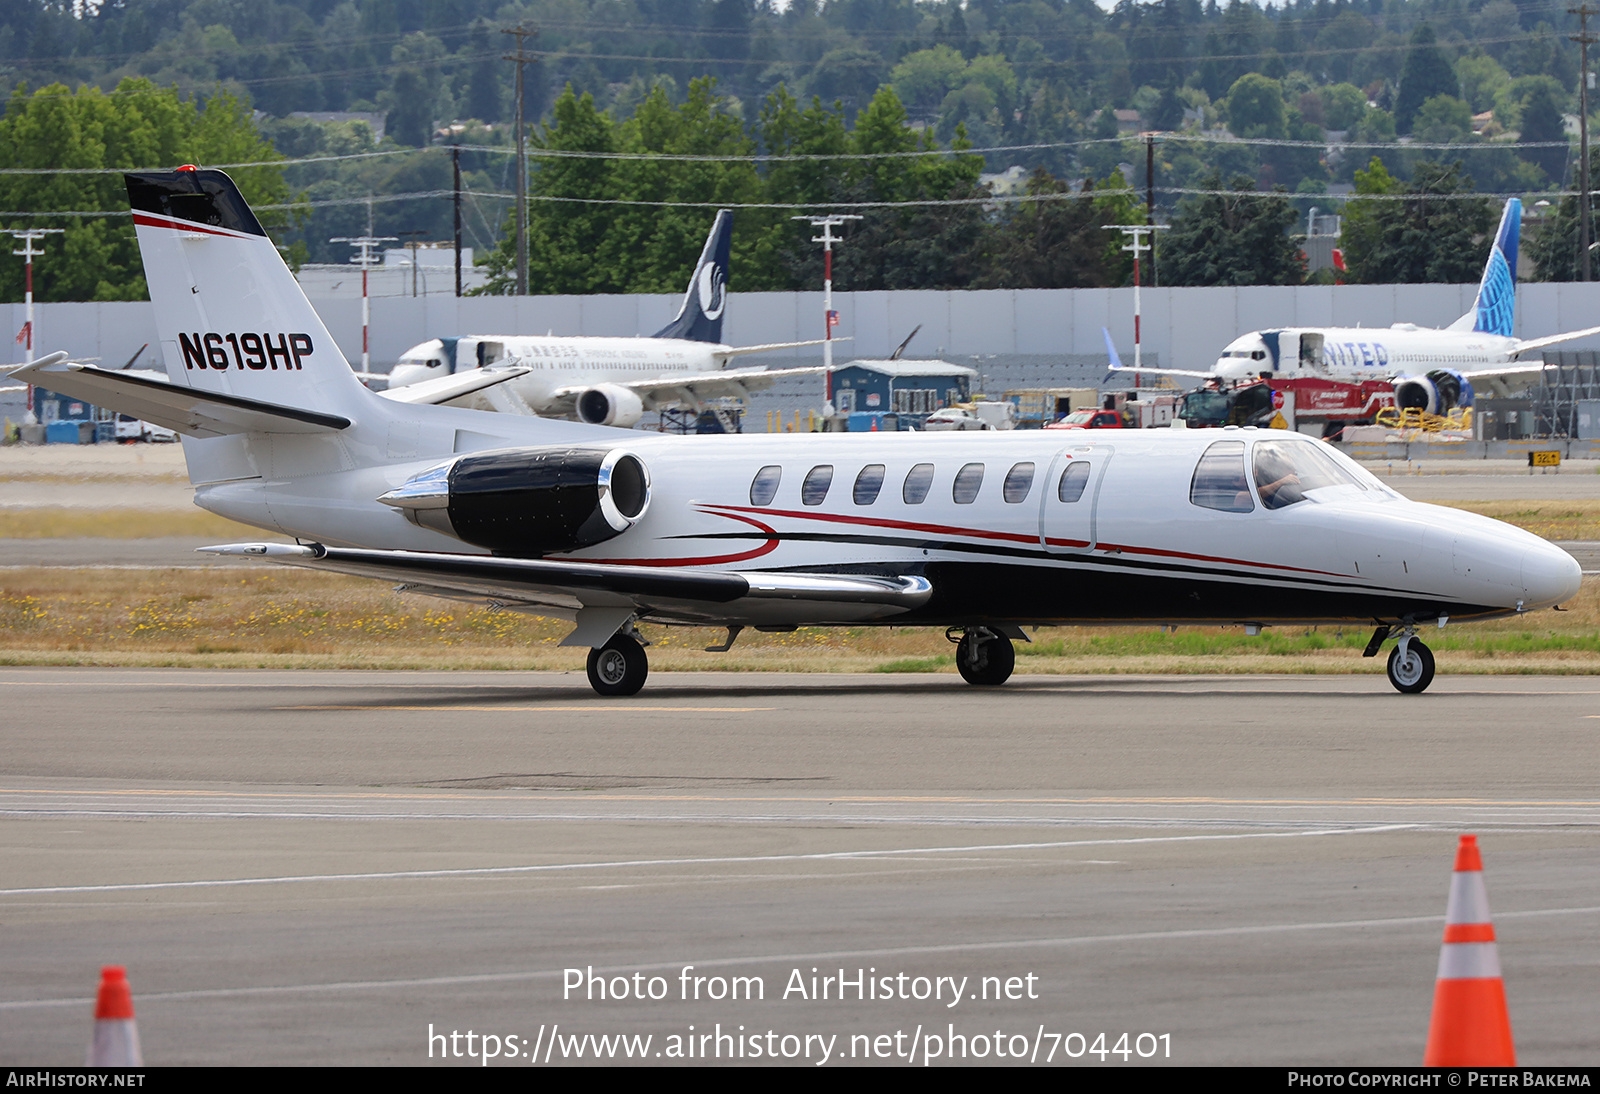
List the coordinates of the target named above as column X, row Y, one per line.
column 954, row 417
column 1091, row 419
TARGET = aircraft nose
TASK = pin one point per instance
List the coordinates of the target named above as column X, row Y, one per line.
column 1549, row 575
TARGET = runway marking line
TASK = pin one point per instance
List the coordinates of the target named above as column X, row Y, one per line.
column 379, row 707
column 814, row 856
column 1179, row 935
column 498, row 795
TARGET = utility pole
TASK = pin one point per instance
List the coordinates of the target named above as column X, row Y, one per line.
column 1137, row 243
column 414, row 235
column 522, row 60
column 828, row 223
column 455, row 163
column 1150, row 201
column 366, row 259
column 1584, row 40
column 28, row 237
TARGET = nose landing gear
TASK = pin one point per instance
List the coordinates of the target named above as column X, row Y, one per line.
column 1410, row 662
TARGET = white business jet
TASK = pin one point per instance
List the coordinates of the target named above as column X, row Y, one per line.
column 983, row 534
column 1431, row 370
column 603, row 381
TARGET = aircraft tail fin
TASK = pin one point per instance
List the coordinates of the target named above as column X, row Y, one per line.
column 1111, row 350
column 232, row 319
column 1494, row 311
column 699, row 319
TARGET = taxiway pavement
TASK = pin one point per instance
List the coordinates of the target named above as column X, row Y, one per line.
column 319, row 867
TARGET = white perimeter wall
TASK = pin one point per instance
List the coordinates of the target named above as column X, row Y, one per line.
column 1184, row 328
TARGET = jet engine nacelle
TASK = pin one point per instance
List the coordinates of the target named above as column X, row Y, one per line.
column 1439, row 392
column 527, row 502
column 609, row 404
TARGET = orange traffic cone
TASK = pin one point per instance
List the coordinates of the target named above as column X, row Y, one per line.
column 116, row 1036
column 1471, row 1026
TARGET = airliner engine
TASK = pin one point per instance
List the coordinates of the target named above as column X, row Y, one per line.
column 527, row 502
column 1439, row 392
column 609, row 404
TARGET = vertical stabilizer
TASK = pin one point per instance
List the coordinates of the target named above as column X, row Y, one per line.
column 1495, row 309
column 231, row 317
column 700, row 317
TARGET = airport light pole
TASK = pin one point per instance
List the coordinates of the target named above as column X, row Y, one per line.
column 28, row 237
column 831, row 318
column 1138, row 243
column 366, row 259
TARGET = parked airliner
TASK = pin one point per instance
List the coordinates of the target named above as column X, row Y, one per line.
column 984, row 534
column 1432, row 370
column 605, row 381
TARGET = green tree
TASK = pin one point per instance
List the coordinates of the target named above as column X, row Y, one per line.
column 1255, row 108
column 1343, row 105
column 1542, row 124
column 1060, row 242
column 1232, row 239
column 1442, row 120
column 1424, row 74
column 1415, row 233
column 136, row 126
column 1554, row 245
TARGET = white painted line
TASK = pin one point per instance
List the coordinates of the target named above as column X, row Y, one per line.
column 555, row 867
column 786, row 958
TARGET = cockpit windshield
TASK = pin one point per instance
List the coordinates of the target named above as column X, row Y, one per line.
column 1287, row 471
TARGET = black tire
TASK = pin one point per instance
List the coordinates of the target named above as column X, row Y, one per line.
column 1415, row 673
column 986, row 663
column 619, row 667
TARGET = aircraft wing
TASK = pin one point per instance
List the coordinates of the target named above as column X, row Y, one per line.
column 185, row 410
column 726, row 352
column 1528, row 369
column 608, row 593
column 441, row 389
column 1163, row 371
column 661, row 391
column 1554, row 339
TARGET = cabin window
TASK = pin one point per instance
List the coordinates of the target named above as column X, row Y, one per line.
column 918, row 480
column 1219, row 479
column 1287, row 470
column 1019, row 480
column 1073, row 480
column 868, row 483
column 965, row 489
column 764, row 487
column 815, row 487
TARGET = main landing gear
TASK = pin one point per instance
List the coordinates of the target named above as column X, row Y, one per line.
column 619, row 667
column 1410, row 662
column 983, row 656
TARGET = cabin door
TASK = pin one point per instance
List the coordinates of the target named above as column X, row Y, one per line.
column 1069, row 497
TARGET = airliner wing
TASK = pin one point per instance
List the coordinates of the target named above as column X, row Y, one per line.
column 185, row 410
column 664, row 391
column 723, row 354
column 1554, row 339
column 441, row 389
column 1528, row 369
column 615, row 592
column 1147, row 370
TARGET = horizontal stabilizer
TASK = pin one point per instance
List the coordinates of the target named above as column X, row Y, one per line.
column 442, row 389
column 185, row 410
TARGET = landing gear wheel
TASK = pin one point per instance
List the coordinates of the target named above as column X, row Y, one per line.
column 619, row 667
column 1412, row 672
column 985, row 658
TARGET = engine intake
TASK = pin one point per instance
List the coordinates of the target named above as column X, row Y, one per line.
column 609, row 404
column 528, row 502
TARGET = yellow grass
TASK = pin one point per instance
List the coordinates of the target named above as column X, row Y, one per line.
column 119, row 524
column 283, row 618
